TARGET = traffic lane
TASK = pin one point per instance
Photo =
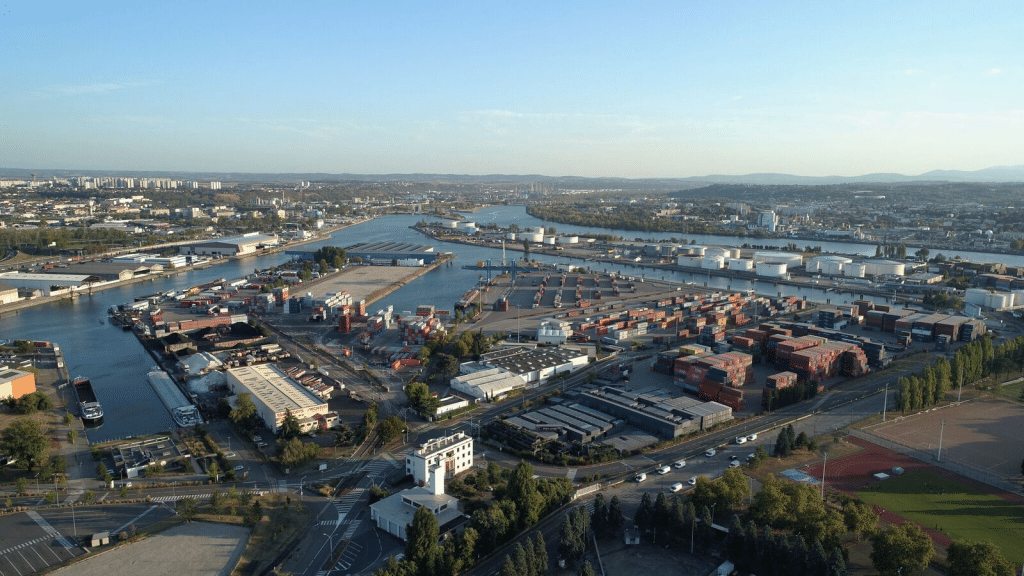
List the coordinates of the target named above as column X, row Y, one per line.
column 114, row 519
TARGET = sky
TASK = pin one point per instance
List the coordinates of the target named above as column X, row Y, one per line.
column 601, row 89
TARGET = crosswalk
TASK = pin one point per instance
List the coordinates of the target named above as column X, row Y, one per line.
column 207, row 496
column 344, row 505
column 50, row 530
column 351, row 553
column 25, row 545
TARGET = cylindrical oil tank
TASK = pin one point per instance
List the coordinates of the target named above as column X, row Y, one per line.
column 549, row 240
column 533, row 236
column 712, row 262
column 787, row 258
column 568, row 239
column 741, row 264
column 510, row 236
column 976, row 296
column 694, row 250
column 998, row 300
column 854, row 270
column 688, row 261
column 772, row 269
column 717, row 251
column 884, row 268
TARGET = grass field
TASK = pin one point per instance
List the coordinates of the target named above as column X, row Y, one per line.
column 958, row 511
column 1011, row 391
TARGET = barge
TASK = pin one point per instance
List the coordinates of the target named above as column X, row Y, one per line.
column 88, row 405
column 183, row 412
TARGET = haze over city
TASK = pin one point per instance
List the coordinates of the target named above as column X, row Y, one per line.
column 655, row 89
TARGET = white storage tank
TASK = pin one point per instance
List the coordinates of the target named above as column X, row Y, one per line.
column 568, row 239
column 976, row 296
column 1018, row 297
column 854, row 270
column 549, row 240
column 510, row 236
column 787, row 258
column 451, row 224
column 470, row 228
column 718, row 251
column 772, row 269
column 690, row 261
column 999, row 300
column 694, row 250
column 712, row 262
column 533, row 236
column 741, row 264
column 884, row 268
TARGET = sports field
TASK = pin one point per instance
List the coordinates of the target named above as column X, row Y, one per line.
column 947, row 506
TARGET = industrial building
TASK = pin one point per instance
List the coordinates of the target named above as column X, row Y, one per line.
column 452, row 454
column 535, row 365
column 183, row 412
column 15, row 383
column 132, row 459
column 274, row 394
column 46, row 284
column 387, row 252
column 656, row 411
column 112, row 271
column 490, row 384
column 394, row 514
column 8, row 293
column 225, row 247
column 571, row 422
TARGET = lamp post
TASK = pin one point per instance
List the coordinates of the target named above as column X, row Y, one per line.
column 301, row 480
column 885, row 402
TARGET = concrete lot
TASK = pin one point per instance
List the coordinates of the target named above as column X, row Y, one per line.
column 194, row 548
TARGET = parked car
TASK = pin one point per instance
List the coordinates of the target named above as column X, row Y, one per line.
column 741, row 439
column 752, row 437
column 692, row 481
column 734, row 464
column 680, row 463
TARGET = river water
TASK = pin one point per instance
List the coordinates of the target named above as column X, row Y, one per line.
column 117, row 363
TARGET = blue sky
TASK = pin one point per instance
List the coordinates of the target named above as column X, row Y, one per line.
column 637, row 89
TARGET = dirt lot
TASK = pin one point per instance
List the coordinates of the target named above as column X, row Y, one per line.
column 982, row 434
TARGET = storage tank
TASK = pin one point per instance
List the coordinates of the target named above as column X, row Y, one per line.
column 451, row 224
column 779, row 258
column 549, row 240
column 741, row 264
column 854, row 270
column 470, row 228
column 884, row 268
column 712, row 262
column 568, row 239
column 690, row 261
column 1018, row 297
column 510, row 236
column 533, row 236
column 694, row 250
column 718, row 251
column 976, row 296
column 772, row 269
column 998, row 300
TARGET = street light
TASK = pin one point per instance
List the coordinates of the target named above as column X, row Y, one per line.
column 301, row 480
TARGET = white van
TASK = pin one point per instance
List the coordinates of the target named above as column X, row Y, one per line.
column 677, row 486
column 664, row 470
column 640, row 477
column 710, row 453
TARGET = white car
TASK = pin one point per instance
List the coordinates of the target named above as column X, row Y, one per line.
column 239, row 468
column 692, row 481
column 640, row 477
column 677, row 486
column 752, row 437
column 229, row 455
column 711, row 453
column 734, row 464
column 680, row 464
column 664, row 470
column 741, row 439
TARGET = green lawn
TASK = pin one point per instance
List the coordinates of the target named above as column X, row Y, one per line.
column 957, row 510
column 1011, row 391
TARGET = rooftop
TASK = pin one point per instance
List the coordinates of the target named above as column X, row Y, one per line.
column 274, row 388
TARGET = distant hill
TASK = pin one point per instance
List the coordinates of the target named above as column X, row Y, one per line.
column 993, row 174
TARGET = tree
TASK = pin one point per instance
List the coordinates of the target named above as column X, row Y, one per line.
column 644, row 517
column 770, row 503
column 860, row 519
column 540, row 554
column 213, row 470
column 616, row 520
column 901, row 549
column 836, row 563
column 522, row 489
column 370, row 416
column 390, row 428
column 734, row 541
column 244, row 413
column 253, row 514
column 25, row 441
column 967, row 558
column 586, row 569
column 599, row 517
column 187, row 508
column 421, row 541
column 290, row 427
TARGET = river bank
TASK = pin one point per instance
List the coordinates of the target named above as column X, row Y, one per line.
column 15, row 307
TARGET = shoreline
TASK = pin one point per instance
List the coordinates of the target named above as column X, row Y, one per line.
column 16, row 307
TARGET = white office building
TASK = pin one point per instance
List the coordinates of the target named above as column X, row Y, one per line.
column 453, row 454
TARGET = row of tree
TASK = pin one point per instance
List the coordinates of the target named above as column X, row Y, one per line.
column 788, row 440
column 777, row 554
column 530, row 559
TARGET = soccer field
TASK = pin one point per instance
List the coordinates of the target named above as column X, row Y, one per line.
column 961, row 512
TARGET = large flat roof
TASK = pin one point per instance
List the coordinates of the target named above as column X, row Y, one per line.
column 274, row 388
column 390, row 247
column 47, row 277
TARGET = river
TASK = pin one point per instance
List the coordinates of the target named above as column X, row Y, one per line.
column 117, row 363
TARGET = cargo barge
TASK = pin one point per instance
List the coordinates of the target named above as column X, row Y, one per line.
column 183, row 412
column 88, row 405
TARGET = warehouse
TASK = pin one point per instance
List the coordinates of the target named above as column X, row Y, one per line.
column 491, row 384
column 226, row 247
column 8, row 293
column 387, row 252
column 47, row 284
column 274, row 394
column 655, row 411
column 113, row 271
column 535, row 365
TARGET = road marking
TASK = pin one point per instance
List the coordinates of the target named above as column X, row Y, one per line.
column 133, row 520
column 50, row 530
column 571, row 473
column 29, row 543
column 13, row 566
column 27, row 562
